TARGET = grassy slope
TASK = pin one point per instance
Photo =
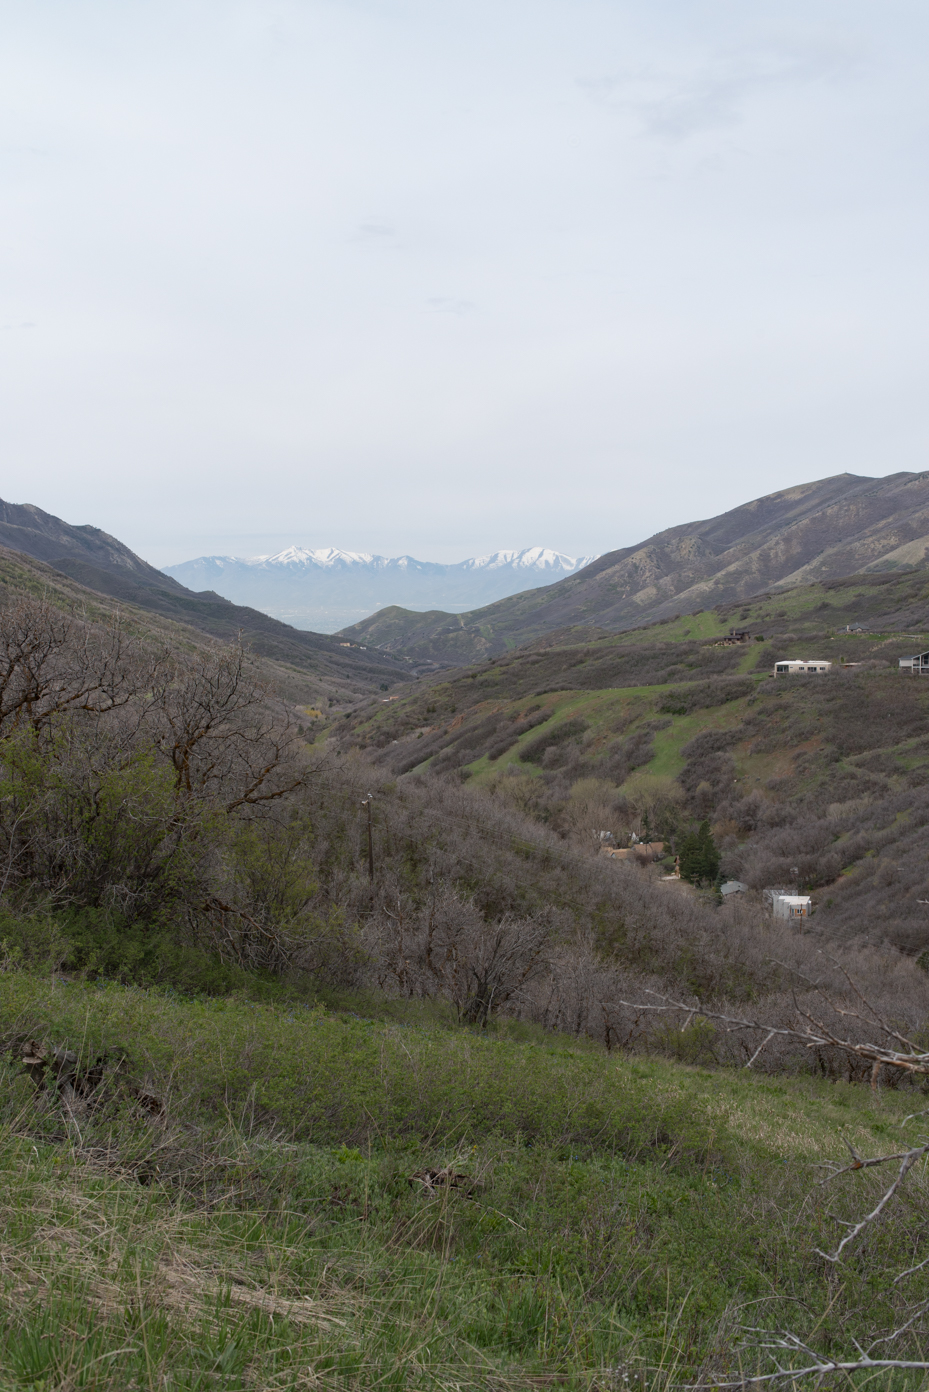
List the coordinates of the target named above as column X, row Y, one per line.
column 896, row 599
column 894, row 611
column 626, row 1214
column 628, row 707
column 631, row 708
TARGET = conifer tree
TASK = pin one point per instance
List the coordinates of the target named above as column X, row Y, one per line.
column 699, row 856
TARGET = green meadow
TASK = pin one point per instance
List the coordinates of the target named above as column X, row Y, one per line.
column 604, row 1221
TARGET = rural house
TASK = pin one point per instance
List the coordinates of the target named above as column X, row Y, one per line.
column 791, row 905
column 644, row 852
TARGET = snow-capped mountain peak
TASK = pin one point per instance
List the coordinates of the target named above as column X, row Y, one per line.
column 326, row 588
column 324, row 556
column 530, row 558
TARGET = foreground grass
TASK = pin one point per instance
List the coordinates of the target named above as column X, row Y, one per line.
column 621, row 1217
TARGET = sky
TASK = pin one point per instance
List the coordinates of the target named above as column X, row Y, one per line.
column 440, row 277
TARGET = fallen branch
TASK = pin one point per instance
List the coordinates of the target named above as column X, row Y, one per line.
column 817, row 1036
column 818, row 1366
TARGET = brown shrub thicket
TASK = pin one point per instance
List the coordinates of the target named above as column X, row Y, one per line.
column 470, row 866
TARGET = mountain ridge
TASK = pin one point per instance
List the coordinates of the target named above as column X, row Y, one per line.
column 830, row 528
column 106, row 566
column 535, row 557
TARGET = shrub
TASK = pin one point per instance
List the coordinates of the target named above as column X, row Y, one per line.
column 704, row 695
column 101, row 944
column 534, row 752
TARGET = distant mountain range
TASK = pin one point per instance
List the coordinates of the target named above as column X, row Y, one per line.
column 327, row 589
column 822, row 531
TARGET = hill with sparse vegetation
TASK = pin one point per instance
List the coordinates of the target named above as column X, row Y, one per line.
column 812, row 534
column 96, row 562
column 814, row 785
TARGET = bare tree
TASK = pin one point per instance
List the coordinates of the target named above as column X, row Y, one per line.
column 811, row 1030
column 447, row 948
column 52, row 663
column 115, row 752
column 227, row 739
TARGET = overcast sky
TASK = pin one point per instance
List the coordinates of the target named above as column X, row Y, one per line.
column 444, row 276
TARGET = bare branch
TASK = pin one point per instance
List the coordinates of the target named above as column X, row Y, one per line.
column 767, row 1040
column 914, row 1116
column 889, row 1338
column 910, row 1271
column 817, row 1036
column 818, row 1366
column 908, row 1161
column 860, row 1163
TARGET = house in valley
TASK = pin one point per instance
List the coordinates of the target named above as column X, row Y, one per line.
column 643, row 852
column 791, row 905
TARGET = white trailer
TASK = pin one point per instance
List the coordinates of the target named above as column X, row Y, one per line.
column 798, row 665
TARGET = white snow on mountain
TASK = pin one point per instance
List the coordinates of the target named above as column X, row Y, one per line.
column 327, row 557
column 531, row 558
column 324, row 556
column 326, row 588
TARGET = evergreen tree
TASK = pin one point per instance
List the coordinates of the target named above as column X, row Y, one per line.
column 699, row 856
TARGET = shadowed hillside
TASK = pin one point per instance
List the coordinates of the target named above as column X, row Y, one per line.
column 102, row 563
column 305, row 683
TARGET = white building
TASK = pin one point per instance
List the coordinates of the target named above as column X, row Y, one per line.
column 791, row 905
column 800, row 664
column 917, row 666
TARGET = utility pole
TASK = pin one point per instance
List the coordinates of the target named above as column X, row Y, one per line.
column 367, row 803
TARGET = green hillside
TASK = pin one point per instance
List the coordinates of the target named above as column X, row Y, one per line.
column 820, row 784
column 612, row 1223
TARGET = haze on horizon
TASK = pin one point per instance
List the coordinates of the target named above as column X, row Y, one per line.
column 445, row 278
